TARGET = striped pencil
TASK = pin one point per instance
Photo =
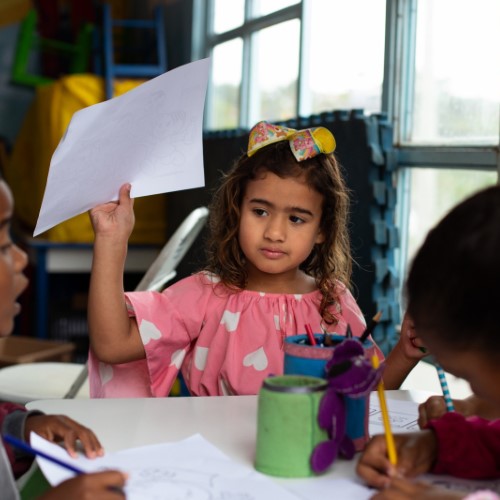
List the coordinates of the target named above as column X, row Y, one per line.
column 445, row 389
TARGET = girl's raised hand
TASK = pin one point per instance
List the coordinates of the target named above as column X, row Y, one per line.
column 402, row 489
column 416, row 452
column 115, row 218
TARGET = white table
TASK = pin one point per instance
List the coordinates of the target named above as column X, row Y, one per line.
column 229, row 422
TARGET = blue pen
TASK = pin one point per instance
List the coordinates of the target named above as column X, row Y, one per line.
column 17, row 443
column 445, row 389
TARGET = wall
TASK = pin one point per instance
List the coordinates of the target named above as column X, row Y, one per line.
column 14, row 100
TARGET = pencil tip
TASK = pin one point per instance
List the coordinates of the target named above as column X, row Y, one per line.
column 377, row 316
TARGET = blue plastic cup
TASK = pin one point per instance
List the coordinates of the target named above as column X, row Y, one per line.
column 302, row 358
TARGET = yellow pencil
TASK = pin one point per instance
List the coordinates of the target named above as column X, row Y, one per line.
column 391, row 447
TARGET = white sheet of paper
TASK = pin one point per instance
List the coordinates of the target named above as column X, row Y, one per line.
column 150, row 136
column 191, row 469
column 403, row 416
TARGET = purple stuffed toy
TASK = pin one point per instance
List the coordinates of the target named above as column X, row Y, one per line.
column 349, row 373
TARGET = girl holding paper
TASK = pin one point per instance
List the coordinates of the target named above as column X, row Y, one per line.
column 278, row 259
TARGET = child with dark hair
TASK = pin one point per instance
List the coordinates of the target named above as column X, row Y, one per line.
column 453, row 298
column 14, row 419
column 278, row 259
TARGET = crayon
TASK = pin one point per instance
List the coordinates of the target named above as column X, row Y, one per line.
column 310, row 334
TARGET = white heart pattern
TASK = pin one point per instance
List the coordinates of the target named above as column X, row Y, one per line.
column 277, row 321
column 178, row 358
column 105, row 373
column 257, row 359
column 200, row 357
column 230, row 320
column 149, row 331
column 213, row 278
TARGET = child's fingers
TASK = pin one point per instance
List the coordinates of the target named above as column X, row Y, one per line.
column 418, row 344
column 402, row 489
column 124, row 195
column 373, row 476
column 374, row 465
column 434, row 407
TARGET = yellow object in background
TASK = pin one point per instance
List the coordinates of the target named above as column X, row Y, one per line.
column 28, row 167
column 13, row 11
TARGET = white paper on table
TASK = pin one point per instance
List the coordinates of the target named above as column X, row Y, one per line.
column 191, row 469
column 403, row 416
column 150, row 136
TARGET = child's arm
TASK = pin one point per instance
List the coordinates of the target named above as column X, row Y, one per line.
column 114, row 336
column 404, row 357
column 435, row 407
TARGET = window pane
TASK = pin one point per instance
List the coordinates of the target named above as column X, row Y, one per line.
column 434, row 192
column 346, row 58
column 457, row 79
column 224, row 102
column 228, row 14
column 264, row 7
column 274, row 72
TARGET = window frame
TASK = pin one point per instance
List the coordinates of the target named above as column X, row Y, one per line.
column 397, row 90
column 397, row 102
column 203, row 45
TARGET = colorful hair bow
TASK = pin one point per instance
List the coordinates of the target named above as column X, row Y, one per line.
column 304, row 144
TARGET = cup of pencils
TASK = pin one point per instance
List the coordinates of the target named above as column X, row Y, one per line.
column 287, row 425
column 307, row 354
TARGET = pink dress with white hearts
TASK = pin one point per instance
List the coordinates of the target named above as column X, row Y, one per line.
column 223, row 342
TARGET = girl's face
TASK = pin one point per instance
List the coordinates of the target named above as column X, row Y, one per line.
column 279, row 226
column 12, row 263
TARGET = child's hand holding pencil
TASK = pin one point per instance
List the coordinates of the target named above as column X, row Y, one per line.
column 416, row 452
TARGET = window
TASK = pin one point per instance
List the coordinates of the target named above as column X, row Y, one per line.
column 433, row 193
column 224, row 94
column 432, row 66
column 445, row 104
column 457, row 75
column 274, row 60
column 344, row 68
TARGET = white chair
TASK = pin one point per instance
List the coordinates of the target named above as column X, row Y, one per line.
column 26, row 382
column 29, row 381
column 163, row 268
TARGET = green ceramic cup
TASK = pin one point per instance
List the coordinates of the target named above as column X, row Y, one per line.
column 287, row 425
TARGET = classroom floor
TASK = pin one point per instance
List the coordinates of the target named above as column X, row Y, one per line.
column 424, row 377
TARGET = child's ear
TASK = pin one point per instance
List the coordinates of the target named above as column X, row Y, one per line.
column 320, row 238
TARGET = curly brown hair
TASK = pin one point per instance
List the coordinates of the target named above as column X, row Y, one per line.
column 329, row 262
